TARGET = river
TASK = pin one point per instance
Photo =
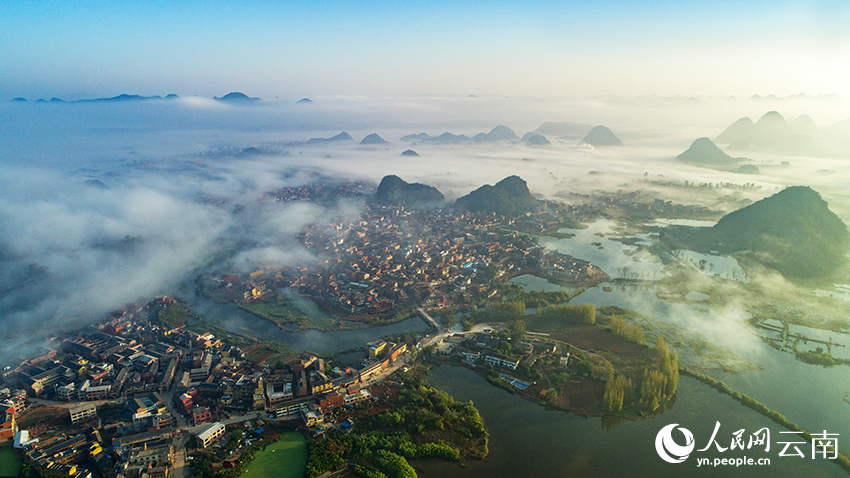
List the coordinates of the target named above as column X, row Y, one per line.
column 239, row 321
column 528, row 441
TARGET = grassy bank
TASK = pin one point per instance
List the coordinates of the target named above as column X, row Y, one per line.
column 282, row 311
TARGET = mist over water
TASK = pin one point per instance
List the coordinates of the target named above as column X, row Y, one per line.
column 107, row 204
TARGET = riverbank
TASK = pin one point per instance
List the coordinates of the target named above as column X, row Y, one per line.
column 843, row 459
column 410, row 420
column 529, row 441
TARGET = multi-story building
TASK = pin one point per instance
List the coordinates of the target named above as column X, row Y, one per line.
column 211, row 434
column 82, row 412
column 8, row 427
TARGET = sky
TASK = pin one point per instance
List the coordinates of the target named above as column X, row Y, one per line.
column 86, row 49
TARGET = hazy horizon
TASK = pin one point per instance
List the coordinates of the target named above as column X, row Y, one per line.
column 538, row 49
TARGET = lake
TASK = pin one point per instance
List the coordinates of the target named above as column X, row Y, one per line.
column 528, row 441
column 612, row 256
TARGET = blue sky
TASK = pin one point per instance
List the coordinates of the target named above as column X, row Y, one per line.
column 536, row 48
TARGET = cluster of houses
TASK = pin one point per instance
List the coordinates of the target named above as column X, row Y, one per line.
column 117, row 375
column 566, row 268
column 482, row 349
column 391, row 256
column 62, row 455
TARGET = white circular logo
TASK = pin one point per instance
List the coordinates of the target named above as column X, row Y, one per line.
column 668, row 449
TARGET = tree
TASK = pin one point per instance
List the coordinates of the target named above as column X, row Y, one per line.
column 661, row 349
column 584, row 367
column 626, row 331
column 616, row 391
column 518, row 330
column 652, row 389
column 670, row 368
column 588, row 314
column 490, row 273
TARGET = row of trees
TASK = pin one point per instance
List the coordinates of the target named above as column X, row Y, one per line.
column 537, row 299
column 617, row 392
column 843, row 459
column 660, row 385
column 626, row 331
column 657, row 385
column 499, row 311
column 576, row 314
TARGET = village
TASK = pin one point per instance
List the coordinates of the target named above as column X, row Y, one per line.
column 131, row 397
column 391, row 258
column 143, row 394
column 124, row 396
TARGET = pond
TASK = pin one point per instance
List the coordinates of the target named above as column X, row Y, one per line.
column 724, row 267
column 684, row 222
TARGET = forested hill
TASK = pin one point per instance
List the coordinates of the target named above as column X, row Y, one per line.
column 508, row 197
column 793, row 231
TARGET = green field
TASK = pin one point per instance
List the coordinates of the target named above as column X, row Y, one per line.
column 286, row 458
column 281, row 311
column 10, row 464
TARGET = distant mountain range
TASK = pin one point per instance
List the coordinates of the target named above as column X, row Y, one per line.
column 373, row 139
column 535, row 139
column 772, row 132
column 705, row 153
column 499, row 133
column 508, row 197
column 445, row 138
column 236, row 97
column 793, row 232
column 395, row 191
column 340, row 137
column 113, row 99
column 601, row 136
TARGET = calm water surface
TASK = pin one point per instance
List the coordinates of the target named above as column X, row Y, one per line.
column 528, row 441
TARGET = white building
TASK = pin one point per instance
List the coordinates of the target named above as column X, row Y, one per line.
column 211, row 434
column 83, row 412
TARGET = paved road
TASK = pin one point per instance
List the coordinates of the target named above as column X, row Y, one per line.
column 52, row 403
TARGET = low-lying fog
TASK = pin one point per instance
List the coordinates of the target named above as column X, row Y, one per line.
column 102, row 204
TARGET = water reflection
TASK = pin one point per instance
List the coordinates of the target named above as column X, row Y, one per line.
column 528, row 441
column 234, row 319
column 615, row 258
